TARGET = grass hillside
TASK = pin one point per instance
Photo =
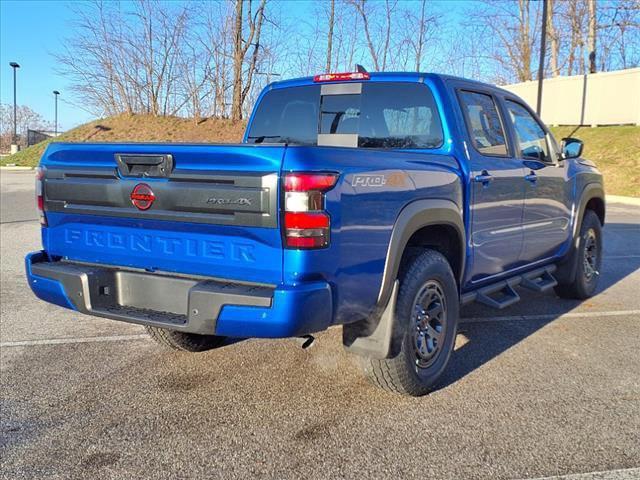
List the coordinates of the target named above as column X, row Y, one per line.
column 616, row 150
column 138, row 128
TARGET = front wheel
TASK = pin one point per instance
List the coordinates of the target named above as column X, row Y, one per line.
column 186, row 342
column 427, row 320
column 585, row 260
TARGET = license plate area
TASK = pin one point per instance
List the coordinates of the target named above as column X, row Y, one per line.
column 113, row 288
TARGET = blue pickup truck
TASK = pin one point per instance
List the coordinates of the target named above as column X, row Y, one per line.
column 379, row 202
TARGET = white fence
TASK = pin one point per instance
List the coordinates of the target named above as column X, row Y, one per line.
column 607, row 98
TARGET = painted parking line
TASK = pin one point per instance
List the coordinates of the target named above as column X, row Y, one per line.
column 64, row 341
column 551, row 316
column 621, row 474
column 9, row 222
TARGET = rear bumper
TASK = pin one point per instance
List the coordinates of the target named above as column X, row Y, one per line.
column 191, row 305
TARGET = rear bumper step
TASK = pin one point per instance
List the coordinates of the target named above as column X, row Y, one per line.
column 185, row 304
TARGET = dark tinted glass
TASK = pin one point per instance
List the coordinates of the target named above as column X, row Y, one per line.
column 385, row 115
column 340, row 114
column 399, row 115
column 288, row 115
column 485, row 128
column 532, row 142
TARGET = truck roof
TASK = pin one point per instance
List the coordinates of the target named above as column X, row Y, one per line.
column 385, row 76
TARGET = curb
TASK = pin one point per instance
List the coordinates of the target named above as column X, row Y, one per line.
column 634, row 201
column 15, row 168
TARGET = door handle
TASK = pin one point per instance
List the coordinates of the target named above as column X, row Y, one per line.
column 532, row 177
column 484, row 178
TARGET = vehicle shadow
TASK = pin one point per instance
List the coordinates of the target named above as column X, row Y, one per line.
column 490, row 332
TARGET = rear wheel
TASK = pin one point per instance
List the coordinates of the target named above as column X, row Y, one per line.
column 427, row 320
column 585, row 260
column 187, row 342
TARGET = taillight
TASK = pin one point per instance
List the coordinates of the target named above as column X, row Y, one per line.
column 341, row 77
column 306, row 223
column 40, row 195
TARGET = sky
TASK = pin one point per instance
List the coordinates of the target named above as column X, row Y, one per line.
column 31, row 33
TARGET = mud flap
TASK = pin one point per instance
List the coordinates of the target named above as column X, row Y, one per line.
column 369, row 338
column 568, row 267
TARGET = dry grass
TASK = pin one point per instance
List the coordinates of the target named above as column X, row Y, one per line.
column 616, row 150
column 139, row 128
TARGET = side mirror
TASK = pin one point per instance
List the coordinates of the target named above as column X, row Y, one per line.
column 571, row 147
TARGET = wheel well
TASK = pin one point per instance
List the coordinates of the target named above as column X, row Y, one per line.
column 441, row 238
column 597, row 205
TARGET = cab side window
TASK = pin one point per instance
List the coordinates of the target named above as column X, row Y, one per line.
column 530, row 136
column 483, row 123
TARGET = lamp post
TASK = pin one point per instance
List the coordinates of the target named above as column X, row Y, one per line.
column 14, row 143
column 543, row 51
column 55, row 95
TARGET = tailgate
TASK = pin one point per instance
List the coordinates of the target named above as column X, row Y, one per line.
column 208, row 210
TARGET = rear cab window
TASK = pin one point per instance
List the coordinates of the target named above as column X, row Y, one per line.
column 287, row 115
column 383, row 115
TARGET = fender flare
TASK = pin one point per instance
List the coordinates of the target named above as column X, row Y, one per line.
column 374, row 337
column 566, row 272
column 413, row 217
column 589, row 192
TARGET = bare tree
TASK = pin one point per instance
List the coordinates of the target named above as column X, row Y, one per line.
column 575, row 16
column 158, row 53
column 618, row 30
column 378, row 52
column 125, row 60
column 26, row 119
column 511, row 36
column 417, row 30
column 419, row 45
column 330, row 34
column 240, row 49
column 215, row 33
column 554, row 37
column 211, row 58
column 593, row 33
column 166, row 58
column 345, row 37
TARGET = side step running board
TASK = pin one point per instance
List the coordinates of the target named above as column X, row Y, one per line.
column 539, row 282
column 503, row 294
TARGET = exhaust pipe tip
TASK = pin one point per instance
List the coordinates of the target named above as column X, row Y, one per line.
column 306, row 341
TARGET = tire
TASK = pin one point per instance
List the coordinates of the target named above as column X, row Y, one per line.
column 427, row 302
column 186, row 342
column 585, row 260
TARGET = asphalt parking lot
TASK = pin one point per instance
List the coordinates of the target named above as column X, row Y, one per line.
column 547, row 387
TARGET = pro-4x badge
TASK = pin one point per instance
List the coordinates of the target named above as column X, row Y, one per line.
column 142, row 196
column 393, row 179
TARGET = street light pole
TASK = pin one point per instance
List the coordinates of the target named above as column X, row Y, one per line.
column 543, row 51
column 55, row 94
column 14, row 144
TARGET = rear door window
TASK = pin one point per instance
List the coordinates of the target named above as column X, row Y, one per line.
column 483, row 123
column 384, row 115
